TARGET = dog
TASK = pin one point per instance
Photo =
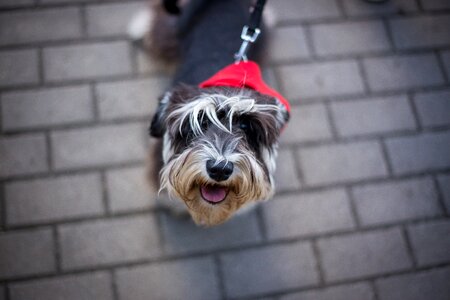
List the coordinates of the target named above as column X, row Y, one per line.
column 218, row 125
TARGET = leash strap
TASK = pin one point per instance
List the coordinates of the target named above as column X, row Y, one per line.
column 250, row 32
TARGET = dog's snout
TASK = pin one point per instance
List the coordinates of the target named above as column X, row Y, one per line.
column 220, row 171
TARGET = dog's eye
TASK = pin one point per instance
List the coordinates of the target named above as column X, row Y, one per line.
column 244, row 124
column 204, row 123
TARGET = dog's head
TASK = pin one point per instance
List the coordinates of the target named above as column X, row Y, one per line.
column 219, row 148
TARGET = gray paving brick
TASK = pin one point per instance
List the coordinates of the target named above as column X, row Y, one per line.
column 193, row 278
column 377, row 115
column 98, row 145
column 446, row 60
column 444, row 184
column 183, row 236
column 435, row 4
column 354, row 291
column 419, row 32
column 18, row 67
column 424, row 285
column 268, row 269
column 420, row 152
column 307, row 123
column 40, row 25
column 51, row 199
column 321, row 79
column 287, row 43
column 15, row 3
column 128, row 189
column 130, row 98
column 308, row 214
column 396, row 201
column 342, row 163
column 350, row 38
column 46, row 107
column 363, row 254
column 303, row 10
column 25, row 253
column 111, row 19
column 430, row 242
column 149, row 64
column 286, row 177
column 94, row 286
column 86, row 61
column 433, row 108
column 364, row 8
column 403, row 72
column 23, row 154
column 108, row 241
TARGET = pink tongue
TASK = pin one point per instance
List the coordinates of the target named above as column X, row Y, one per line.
column 213, row 193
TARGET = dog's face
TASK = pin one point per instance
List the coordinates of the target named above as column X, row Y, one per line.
column 219, row 148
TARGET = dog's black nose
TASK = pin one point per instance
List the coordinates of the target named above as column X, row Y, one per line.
column 221, row 171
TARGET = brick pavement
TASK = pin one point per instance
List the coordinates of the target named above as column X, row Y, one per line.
column 363, row 202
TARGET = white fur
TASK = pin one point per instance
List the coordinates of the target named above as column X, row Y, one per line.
column 140, row 24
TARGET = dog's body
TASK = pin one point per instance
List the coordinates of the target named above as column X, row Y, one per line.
column 219, row 141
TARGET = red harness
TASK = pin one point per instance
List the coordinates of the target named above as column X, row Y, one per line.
column 244, row 74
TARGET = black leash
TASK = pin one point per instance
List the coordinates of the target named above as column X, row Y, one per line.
column 249, row 33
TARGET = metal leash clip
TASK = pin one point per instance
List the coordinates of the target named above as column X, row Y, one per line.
column 247, row 38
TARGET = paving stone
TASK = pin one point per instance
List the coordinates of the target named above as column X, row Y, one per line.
column 435, row 4
column 363, row 254
column 23, row 154
column 287, row 43
column 129, row 189
column 423, row 31
column 111, row 19
column 148, row 64
column 94, row 286
column 350, row 38
column 52, row 199
column 136, row 98
column 96, row 146
column 396, row 201
column 342, row 163
column 192, row 278
column 286, row 177
column 268, row 269
column 419, row 153
column 25, row 253
column 18, row 67
column 28, row 26
column 308, row 214
column 321, row 79
column 307, row 123
column 446, row 60
column 15, row 3
column 354, row 291
column 418, row 286
column 364, row 8
column 46, row 107
column 377, row 115
column 182, row 236
column 430, row 242
column 86, row 61
column 433, row 108
column 444, row 184
column 403, row 72
column 108, row 241
column 303, row 10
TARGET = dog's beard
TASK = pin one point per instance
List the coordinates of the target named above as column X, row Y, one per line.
column 184, row 176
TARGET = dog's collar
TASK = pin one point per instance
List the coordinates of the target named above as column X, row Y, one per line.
column 244, row 74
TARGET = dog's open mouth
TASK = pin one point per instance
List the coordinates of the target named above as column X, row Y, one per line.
column 213, row 194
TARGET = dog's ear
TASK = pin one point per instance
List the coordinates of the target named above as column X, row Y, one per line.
column 158, row 125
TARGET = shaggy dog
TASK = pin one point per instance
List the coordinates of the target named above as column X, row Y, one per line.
column 219, row 123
